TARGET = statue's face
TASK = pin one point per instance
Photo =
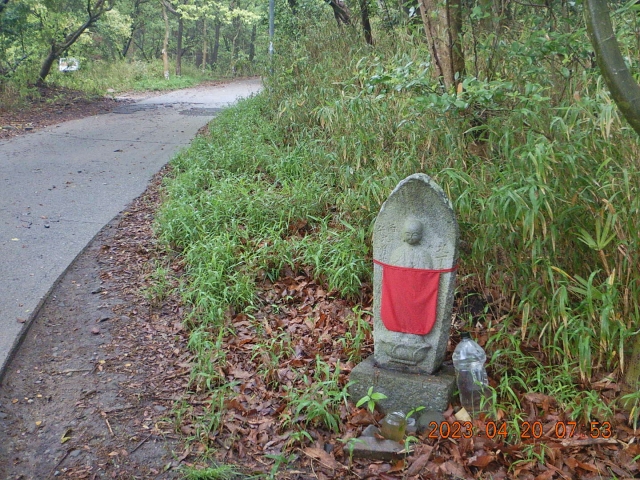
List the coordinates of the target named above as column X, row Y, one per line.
column 412, row 233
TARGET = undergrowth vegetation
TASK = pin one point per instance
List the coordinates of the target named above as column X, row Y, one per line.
column 104, row 78
column 99, row 77
column 531, row 150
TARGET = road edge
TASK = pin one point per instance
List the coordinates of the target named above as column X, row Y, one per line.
column 36, row 311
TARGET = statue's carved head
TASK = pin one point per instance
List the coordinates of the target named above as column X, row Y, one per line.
column 412, row 231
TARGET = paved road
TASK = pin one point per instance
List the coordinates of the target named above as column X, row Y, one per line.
column 61, row 185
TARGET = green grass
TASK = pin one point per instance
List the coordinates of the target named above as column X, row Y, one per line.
column 174, row 83
column 538, row 164
column 221, row 472
column 103, row 77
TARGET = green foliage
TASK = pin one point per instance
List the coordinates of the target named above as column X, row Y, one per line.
column 414, row 411
column 200, row 9
column 533, row 155
column 132, row 28
column 231, row 211
column 371, row 398
column 410, row 440
column 173, row 83
column 280, row 462
column 159, row 287
column 531, row 151
column 220, row 472
column 358, row 331
column 121, row 76
column 318, row 402
column 231, row 208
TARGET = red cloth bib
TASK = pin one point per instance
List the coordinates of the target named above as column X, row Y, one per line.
column 409, row 298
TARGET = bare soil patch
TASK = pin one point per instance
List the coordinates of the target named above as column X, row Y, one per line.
column 50, row 106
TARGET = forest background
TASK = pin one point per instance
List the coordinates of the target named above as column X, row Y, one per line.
column 501, row 102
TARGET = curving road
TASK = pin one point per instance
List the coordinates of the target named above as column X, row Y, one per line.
column 61, row 185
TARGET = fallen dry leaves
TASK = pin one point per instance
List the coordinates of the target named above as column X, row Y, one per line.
column 285, row 350
column 49, row 106
column 257, row 420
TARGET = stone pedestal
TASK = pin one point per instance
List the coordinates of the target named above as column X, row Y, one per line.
column 376, row 449
column 404, row 391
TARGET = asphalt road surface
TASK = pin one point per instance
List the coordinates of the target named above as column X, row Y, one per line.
column 61, row 185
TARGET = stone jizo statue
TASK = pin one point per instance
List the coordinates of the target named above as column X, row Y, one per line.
column 413, row 276
column 415, row 252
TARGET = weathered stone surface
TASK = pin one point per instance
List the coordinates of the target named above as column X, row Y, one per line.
column 404, row 391
column 426, row 419
column 370, row 431
column 376, row 449
column 416, row 228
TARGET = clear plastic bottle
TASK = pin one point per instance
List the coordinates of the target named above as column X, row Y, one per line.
column 468, row 360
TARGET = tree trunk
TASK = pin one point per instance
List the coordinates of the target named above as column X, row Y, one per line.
column 234, row 47
column 455, row 38
column 134, row 26
column 490, row 19
column 204, row 44
column 45, row 68
column 94, row 11
column 340, row 12
column 234, row 43
column 252, row 43
column 626, row 93
column 443, row 24
column 624, row 89
column 140, row 44
column 165, row 43
column 366, row 24
column 216, row 44
column 179, row 52
column 127, row 46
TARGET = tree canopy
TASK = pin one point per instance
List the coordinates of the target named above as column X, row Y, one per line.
column 35, row 33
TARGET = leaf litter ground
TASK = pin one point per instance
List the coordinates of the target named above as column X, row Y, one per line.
column 50, row 105
column 262, row 419
column 94, row 389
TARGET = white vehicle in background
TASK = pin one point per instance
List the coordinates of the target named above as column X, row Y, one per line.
column 69, row 64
